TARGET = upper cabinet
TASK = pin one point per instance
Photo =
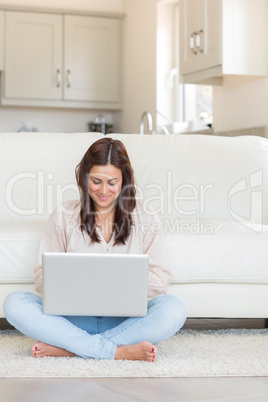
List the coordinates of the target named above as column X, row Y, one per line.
column 201, row 40
column 33, row 62
column 222, row 37
column 61, row 60
column 91, row 58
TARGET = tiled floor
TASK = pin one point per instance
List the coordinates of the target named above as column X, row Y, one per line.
column 230, row 389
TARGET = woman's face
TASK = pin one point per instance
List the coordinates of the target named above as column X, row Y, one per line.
column 104, row 186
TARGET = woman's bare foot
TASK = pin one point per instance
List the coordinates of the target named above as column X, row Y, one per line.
column 139, row 351
column 41, row 349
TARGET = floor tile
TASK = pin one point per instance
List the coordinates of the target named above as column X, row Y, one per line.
column 58, row 390
column 217, row 389
column 262, row 379
column 187, row 389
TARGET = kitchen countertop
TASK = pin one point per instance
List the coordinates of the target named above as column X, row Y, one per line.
column 259, row 131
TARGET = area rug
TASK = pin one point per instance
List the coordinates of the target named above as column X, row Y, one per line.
column 190, row 353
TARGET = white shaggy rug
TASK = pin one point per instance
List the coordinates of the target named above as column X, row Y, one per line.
column 190, row 353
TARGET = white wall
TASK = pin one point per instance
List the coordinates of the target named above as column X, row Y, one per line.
column 56, row 120
column 48, row 120
column 165, row 60
column 139, row 63
column 240, row 103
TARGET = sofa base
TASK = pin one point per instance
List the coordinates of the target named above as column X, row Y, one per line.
column 206, row 300
column 216, row 300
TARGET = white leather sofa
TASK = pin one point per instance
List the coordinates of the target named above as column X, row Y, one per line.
column 211, row 194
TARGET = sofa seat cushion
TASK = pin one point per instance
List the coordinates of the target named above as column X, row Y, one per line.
column 228, row 253
column 19, row 244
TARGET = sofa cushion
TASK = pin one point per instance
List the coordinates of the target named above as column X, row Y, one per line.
column 226, row 253
column 201, row 176
column 183, row 176
column 19, row 244
column 38, row 172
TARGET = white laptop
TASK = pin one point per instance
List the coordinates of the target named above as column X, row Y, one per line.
column 95, row 284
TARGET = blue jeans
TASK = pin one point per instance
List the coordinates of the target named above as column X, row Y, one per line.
column 94, row 337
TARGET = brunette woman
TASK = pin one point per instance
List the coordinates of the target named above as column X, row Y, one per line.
column 107, row 219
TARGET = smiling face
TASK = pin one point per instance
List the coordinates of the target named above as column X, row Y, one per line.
column 104, row 186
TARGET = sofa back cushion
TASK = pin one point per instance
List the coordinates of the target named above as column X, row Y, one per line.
column 38, row 172
column 201, row 178
column 198, row 178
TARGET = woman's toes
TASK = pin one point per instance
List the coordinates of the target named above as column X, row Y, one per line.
column 35, row 349
column 151, row 357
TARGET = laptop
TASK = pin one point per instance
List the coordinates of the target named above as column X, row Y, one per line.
column 95, row 284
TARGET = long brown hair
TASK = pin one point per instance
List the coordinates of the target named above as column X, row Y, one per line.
column 103, row 152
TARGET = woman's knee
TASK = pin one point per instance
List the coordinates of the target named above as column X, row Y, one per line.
column 170, row 312
column 170, row 302
column 177, row 306
column 11, row 301
column 15, row 301
column 175, row 311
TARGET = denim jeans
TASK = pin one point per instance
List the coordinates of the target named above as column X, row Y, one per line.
column 94, row 337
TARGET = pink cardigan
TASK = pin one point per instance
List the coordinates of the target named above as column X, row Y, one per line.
column 62, row 234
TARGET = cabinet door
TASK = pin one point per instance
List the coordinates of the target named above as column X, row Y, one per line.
column 210, row 49
column 33, row 63
column 91, row 59
column 201, row 33
column 190, row 25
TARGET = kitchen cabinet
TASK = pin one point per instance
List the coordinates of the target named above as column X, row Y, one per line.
column 201, row 47
column 222, row 37
column 61, row 60
column 33, row 62
column 92, row 59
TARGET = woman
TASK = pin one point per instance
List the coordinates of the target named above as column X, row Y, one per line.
column 107, row 219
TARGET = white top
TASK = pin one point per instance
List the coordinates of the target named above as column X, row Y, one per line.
column 62, row 234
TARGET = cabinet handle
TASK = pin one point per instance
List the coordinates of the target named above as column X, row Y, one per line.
column 68, row 78
column 198, row 37
column 58, row 78
column 193, row 42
